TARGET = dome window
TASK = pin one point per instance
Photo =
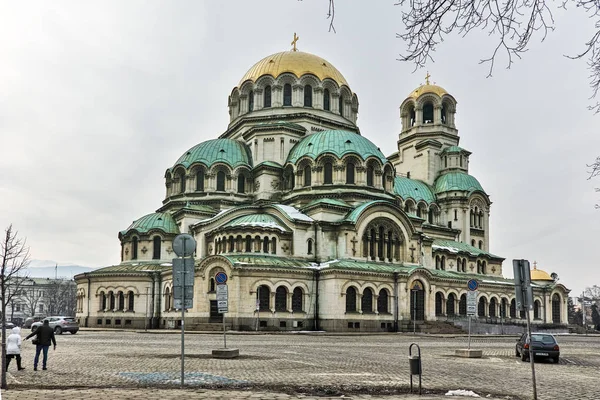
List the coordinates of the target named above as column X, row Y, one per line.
column 156, row 242
column 328, row 174
column 200, row 181
column 220, row 181
column 287, row 94
column 251, row 101
column 134, row 248
column 428, row 113
column 341, row 105
column 370, row 173
column 241, row 184
column 182, row 182
column 267, row 98
column 444, row 114
column 326, row 100
column 308, row 96
column 350, row 173
column 307, row 177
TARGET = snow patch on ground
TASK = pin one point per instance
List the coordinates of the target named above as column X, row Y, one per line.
column 462, row 392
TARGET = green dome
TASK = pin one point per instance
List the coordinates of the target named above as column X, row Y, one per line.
column 457, row 181
column 160, row 221
column 231, row 152
column 338, row 143
column 413, row 189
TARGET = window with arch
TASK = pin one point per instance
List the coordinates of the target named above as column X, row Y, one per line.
column 220, row 181
column 430, row 216
column 309, row 246
column 102, row 301
column 503, row 308
column 297, row 300
column 156, row 242
column 263, row 295
column 267, row 97
column 484, row 267
column 341, row 105
column 281, row 298
column 555, row 308
column 382, row 239
column 328, row 173
column 111, row 300
column 130, row 300
column 212, row 285
column 121, row 301
column 445, row 115
column 248, row 244
column 481, row 307
column 134, row 248
column 366, row 303
column 462, row 305
column 326, row 100
column 307, row 176
column 536, row 309
column 513, row 309
column 274, row 246
column 266, row 245
column 382, row 302
column 492, row 308
column 350, row 172
column 370, row 173
column 445, row 162
column 251, row 101
column 450, row 304
column 200, row 180
column 182, row 182
column 428, row 113
column 308, row 95
column 241, row 184
column 167, row 299
column 473, row 242
column 287, row 94
column 289, row 178
column 351, row 299
column 481, row 244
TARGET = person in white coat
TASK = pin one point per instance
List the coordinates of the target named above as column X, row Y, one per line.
column 13, row 347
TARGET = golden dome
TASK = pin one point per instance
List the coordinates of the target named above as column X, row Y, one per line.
column 428, row 88
column 296, row 62
column 539, row 275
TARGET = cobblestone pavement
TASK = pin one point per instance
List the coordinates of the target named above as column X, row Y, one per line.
column 98, row 364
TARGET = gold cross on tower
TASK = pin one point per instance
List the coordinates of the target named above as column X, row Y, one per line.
column 427, row 78
column 294, row 42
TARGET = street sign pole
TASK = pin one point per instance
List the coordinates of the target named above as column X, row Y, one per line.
column 472, row 295
column 183, row 314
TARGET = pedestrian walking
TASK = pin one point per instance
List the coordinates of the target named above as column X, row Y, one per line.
column 44, row 337
column 13, row 347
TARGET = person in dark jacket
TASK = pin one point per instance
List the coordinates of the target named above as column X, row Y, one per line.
column 45, row 336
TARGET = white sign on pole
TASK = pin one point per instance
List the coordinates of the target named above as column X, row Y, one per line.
column 222, row 299
column 472, row 303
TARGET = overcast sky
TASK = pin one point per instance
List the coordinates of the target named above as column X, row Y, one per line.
column 98, row 99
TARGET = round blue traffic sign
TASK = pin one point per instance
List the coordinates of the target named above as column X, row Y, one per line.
column 221, row 278
column 472, row 284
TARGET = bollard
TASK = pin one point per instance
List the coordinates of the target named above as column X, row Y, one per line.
column 414, row 362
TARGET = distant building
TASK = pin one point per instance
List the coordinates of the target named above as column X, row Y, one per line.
column 316, row 227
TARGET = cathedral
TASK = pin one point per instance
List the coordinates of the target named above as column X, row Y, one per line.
column 315, row 227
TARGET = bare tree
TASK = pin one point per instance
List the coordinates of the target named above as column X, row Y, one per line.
column 595, row 166
column 15, row 257
column 62, row 297
column 33, row 295
column 512, row 22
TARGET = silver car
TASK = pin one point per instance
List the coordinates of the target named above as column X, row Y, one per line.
column 59, row 324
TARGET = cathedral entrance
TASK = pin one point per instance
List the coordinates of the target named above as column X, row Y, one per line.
column 417, row 301
column 215, row 316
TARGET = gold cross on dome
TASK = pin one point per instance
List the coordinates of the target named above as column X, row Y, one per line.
column 294, row 42
column 427, row 78
column 535, row 265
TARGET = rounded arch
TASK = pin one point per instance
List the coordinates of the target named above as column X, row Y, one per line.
column 309, row 79
column 264, row 81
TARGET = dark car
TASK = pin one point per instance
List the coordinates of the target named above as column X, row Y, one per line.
column 31, row 320
column 543, row 345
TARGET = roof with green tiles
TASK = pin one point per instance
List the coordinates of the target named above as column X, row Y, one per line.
column 228, row 151
column 457, row 181
column 268, row 261
column 257, row 221
column 367, row 266
column 354, row 214
column 459, row 247
column 269, row 164
column 333, row 202
column 336, row 142
column 160, row 221
column 454, row 149
column 133, row 267
column 413, row 189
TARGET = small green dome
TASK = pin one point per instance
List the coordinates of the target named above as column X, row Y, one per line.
column 160, row 221
column 457, row 181
column 413, row 189
column 231, row 152
column 338, row 143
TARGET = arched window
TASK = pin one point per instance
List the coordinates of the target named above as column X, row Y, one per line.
column 328, row 173
column 102, row 301
column 281, row 299
column 267, row 97
column 274, row 246
column 556, row 309
column 130, row 301
column 220, row 181
column 289, row 178
column 121, row 301
column 503, row 307
column 536, row 309
column 382, row 302
column 450, row 304
column 251, row 101
column 481, row 307
column 473, row 242
column 366, row 302
column 326, row 100
column 200, row 180
column 287, row 94
column 481, row 244
column 462, row 305
column 430, row 216
column 484, row 267
column 341, row 105
column 492, row 307
column 263, row 294
column 351, row 299
column 182, row 182
column 444, row 115
column 156, row 242
column 428, row 113
column 513, row 309
column 111, row 299
column 167, row 299
column 241, row 184
column 266, row 245
column 134, row 248
column 212, row 285
column 439, row 301
column 308, row 96
column 370, row 173
column 309, row 246
column 350, row 173
column 248, row 248
column 443, row 263
column 307, row 176
column 297, row 300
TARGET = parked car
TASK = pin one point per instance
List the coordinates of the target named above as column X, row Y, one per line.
column 543, row 345
column 9, row 325
column 59, row 324
column 30, row 320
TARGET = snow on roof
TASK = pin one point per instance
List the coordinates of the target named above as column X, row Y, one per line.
column 294, row 213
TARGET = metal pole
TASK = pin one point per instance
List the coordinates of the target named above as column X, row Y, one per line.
column 257, row 306
column 146, row 324
column 224, row 334
column 469, row 345
column 414, row 312
column 531, row 356
column 183, row 313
